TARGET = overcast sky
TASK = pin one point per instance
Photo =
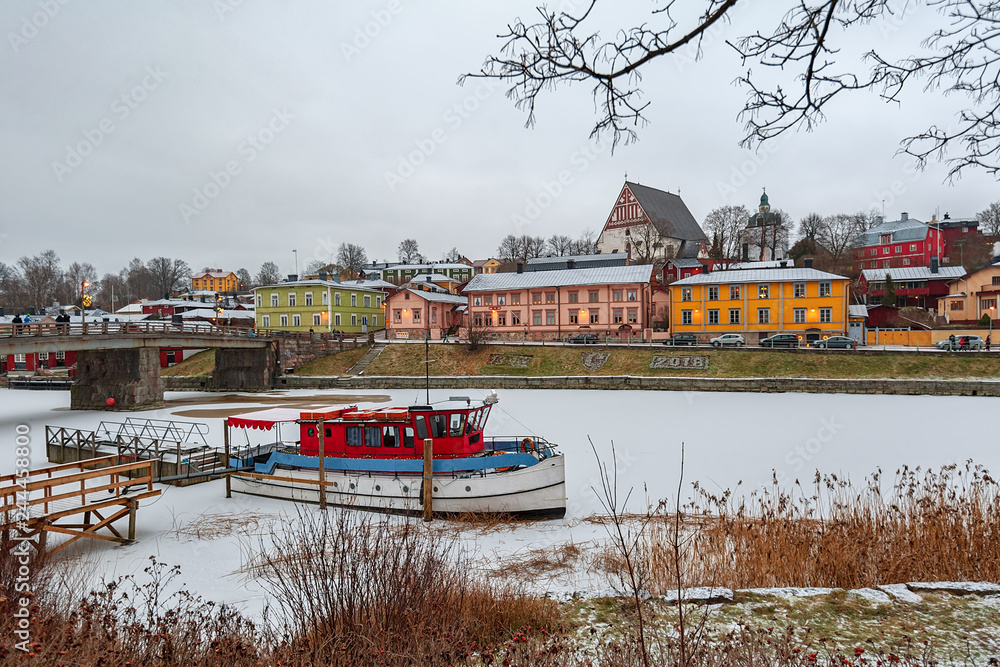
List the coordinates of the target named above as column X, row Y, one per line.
column 229, row 133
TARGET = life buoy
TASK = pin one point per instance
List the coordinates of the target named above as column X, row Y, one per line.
column 527, row 445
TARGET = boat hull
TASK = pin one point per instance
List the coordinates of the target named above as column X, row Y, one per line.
column 535, row 491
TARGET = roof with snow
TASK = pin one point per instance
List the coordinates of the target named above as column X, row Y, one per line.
column 212, row 274
column 757, row 276
column 580, row 261
column 606, row 275
column 908, row 229
column 440, row 297
column 333, row 284
column 914, row 273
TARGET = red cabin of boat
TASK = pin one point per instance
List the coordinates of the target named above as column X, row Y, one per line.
column 394, row 432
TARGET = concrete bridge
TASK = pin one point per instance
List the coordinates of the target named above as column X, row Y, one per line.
column 121, row 360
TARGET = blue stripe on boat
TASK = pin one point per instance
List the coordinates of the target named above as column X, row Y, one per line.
column 413, row 466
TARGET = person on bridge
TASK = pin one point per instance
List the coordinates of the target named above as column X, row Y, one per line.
column 16, row 324
column 987, row 342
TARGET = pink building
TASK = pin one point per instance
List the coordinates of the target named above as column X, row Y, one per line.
column 550, row 305
column 416, row 314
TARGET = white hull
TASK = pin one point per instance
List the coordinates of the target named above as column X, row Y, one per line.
column 539, row 490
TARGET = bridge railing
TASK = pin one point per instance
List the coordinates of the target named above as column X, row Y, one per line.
column 166, row 327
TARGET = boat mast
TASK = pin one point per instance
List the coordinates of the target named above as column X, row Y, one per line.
column 427, row 366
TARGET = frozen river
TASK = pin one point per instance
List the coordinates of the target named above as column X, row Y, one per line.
column 728, row 438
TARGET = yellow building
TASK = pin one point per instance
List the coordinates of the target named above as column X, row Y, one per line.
column 215, row 281
column 761, row 302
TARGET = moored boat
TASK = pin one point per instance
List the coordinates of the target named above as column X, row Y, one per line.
column 373, row 459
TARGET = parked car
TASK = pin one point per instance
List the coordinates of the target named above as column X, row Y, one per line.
column 583, row 339
column 842, row 342
column 780, row 340
column 728, row 340
column 681, row 339
column 960, row 343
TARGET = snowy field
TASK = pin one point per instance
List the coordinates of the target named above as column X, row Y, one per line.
column 729, row 438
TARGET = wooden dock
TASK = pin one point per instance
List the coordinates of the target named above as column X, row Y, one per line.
column 76, row 499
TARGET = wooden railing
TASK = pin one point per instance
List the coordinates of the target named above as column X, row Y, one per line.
column 165, row 328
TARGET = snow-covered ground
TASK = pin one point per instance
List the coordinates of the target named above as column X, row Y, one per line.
column 728, row 438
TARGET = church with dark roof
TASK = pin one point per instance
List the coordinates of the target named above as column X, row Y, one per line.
column 650, row 225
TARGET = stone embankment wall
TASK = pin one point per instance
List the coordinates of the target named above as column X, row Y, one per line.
column 766, row 385
column 131, row 377
column 293, row 352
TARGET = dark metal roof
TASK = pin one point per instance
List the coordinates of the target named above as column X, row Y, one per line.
column 668, row 213
column 581, row 262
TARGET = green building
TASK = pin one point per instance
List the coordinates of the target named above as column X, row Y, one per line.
column 403, row 273
column 320, row 305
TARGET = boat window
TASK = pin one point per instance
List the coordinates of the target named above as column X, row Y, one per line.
column 390, row 436
column 311, row 432
column 439, row 425
column 373, row 436
column 329, row 432
column 407, row 437
column 421, row 427
column 354, row 436
column 470, row 422
column 456, row 424
column 483, row 417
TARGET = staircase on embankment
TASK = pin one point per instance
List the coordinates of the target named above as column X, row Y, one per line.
column 359, row 368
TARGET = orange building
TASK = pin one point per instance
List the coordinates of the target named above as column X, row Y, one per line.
column 215, row 281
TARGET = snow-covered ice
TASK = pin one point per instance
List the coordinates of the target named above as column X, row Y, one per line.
column 728, row 439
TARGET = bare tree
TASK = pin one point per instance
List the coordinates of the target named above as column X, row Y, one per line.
column 800, row 55
column 533, row 246
column 452, row 256
column 989, row 219
column 477, row 330
column 73, row 279
column 586, row 243
column 408, row 252
column 244, row 278
column 41, row 276
column 111, row 291
column 509, row 249
column 727, row 223
column 168, row 275
column 646, row 242
column 269, row 274
column 352, row 257
column 839, row 233
column 810, row 227
column 560, row 245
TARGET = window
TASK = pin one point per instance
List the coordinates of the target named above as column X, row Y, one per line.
column 906, row 261
column 616, row 295
column 353, row 436
column 501, row 300
column 685, row 294
column 439, row 425
column 487, row 299
column 456, row 424
column 985, row 304
column 885, row 264
column 763, row 291
column 536, row 318
column 595, row 316
column 309, row 298
column 632, row 294
column 885, row 250
column 536, row 297
column 763, row 316
column 407, row 437
column 734, row 315
column 799, row 290
column 734, row 292
column 501, row 319
column 574, row 297
column 713, row 316
column 799, row 315
column 374, row 320
column 296, row 320
column 826, row 315
column 825, row 288
column 368, row 301
column 390, row 436
column 274, row 300
column 284, row 320
column 713, row 293
column 354, row 300
column 515, row 299
column 416, row 315
column 260, row 300
column 354, row 319
column 956, row 305
column 336, row 298
column 898, row 249
column 60, row 356
column 550, row 317
column 477, row 319
column 633, row 316
column 913, row 247
column 515, row 318
column 317, row 319
column 872, row 252
column 686, row 317
column 364, row 320
column 550, row 297
column 44, row 356
column 996, row 280
column 378, row 302
column 477, row 301
column 574, row 316
column 617, row 316
column 336, row 319
column 326, row 298
column 373, row 436
column 291, row 299
column 265, row 321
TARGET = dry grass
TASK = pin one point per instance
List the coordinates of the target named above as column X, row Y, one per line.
column 408, row 360
column 200, row 364
column 333, row 364
column 214, row 526
column 928, row 526
column 534, row 564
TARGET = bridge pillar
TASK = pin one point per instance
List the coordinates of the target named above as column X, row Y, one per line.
column 130, row 376
column 244, row 369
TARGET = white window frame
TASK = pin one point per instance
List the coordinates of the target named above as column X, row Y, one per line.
column 799, row 315
column 734, row 315
column 687, row 317
column 274, row 299
column 763, row 316
column 309, row 299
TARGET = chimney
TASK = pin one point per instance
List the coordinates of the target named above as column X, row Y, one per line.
column 934, row 264
column 809, row 262
column 746, row 253
column 570, row 263
column 322, row 275
column 904, row 216
column 292, row 277
column 520, row 267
